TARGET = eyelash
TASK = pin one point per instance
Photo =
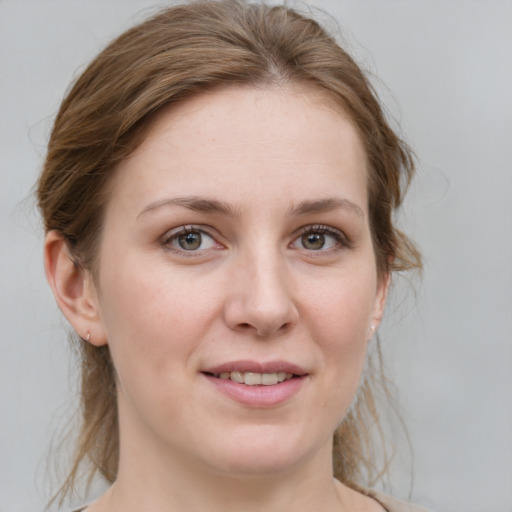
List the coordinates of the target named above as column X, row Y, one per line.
column 340, row 238
column 341, row 241
column 172, row 236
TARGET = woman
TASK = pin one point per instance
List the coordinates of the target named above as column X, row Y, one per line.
column 218, row 196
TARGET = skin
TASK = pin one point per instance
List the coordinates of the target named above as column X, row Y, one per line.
column 283, row 162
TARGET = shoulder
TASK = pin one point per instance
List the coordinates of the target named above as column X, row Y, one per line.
column 392, row 504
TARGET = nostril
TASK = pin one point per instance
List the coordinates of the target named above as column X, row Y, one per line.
column 262, row 330
column 268, row 330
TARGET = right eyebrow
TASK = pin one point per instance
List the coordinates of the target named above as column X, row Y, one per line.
column 327, row 205
column 198, row 204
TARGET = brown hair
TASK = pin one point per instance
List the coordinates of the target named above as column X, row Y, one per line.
column 178, row 53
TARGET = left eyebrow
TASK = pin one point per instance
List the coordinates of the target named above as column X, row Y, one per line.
column 327, row 205
column 195, row 203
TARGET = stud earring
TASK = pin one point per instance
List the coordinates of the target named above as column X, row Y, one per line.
column 373, row 326
column 88, row 337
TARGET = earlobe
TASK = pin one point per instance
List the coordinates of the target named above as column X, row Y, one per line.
column 382, row 294
column 380, row 304
column 73, row 289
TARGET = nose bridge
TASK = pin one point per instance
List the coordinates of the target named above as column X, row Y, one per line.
column 269, row 279
column 262, row 299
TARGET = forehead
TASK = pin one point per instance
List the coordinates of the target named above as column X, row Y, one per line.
column 244, row 110
column 233, row 140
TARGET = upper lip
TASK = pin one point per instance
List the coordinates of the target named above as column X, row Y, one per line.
column 256, row 367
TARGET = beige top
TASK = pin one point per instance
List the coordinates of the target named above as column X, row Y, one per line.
column 388, row 502
column 392, row 504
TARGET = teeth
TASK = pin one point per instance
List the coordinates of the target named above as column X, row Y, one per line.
column 237, row 377
column 252, row 379
column 269, row 379
column 256, row 379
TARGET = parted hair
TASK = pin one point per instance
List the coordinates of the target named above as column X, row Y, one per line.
column 180, row 52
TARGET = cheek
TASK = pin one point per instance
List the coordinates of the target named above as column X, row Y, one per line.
column 147, row 335
column 343, row 308
column 339, row 319
column 155, row 318
column 144, row 317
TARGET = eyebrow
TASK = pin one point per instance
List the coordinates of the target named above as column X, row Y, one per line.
column 327, row 205
column 200, row 204
column 195, row 203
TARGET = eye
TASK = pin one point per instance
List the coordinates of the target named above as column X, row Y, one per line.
column 189, row 239
column 313, row 241
column 319, row 238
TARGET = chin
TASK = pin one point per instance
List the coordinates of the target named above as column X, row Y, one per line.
column 261, row 454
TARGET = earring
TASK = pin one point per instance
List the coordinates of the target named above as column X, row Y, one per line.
column 88, row 337
column 376, row 322
column 373, row 327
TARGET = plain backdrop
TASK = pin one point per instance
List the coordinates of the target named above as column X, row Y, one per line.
column 444, row 71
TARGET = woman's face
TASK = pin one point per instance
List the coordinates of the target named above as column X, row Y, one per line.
column 236, row 247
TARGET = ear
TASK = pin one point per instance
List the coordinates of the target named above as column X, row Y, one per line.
column 73, row 289
column 380, row 304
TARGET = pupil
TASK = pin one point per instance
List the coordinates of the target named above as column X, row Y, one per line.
column 314, row 241
column 190, row 241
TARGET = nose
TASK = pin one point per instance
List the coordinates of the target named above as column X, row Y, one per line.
column 260, row 297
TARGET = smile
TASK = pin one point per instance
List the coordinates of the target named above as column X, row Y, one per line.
column 255, row 379
column 257, row 384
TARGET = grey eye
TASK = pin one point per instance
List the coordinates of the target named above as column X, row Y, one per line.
column 313, row 241
column 190, row 241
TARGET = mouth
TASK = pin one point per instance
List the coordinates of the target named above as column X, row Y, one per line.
column 257, row 384
column 254, row 378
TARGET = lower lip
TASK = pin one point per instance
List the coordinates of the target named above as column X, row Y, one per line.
column 258, row 396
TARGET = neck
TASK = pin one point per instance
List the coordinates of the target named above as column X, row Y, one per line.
column 165, row 477
column 174, row 485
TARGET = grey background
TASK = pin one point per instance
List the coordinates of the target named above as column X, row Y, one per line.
column 447, row 70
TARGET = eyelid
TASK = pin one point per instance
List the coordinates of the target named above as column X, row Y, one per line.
column 167, row 238
column 336, row 233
